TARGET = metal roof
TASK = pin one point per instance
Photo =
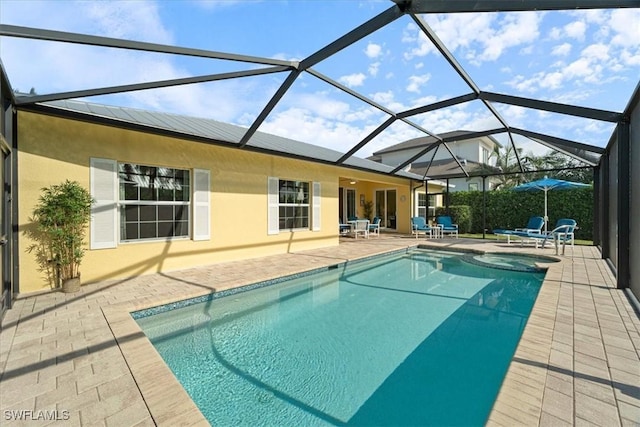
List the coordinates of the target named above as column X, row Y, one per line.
column 215, row 132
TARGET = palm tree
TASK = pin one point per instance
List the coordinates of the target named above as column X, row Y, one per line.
column 505, row 162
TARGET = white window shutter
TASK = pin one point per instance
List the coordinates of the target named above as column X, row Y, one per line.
column 273, row 215
column 315, row 216
column 201, row 205
column 104, row 212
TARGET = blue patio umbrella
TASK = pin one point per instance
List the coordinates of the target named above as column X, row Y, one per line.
column 545, row 184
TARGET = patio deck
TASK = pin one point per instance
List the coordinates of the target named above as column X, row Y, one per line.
column 82, row 359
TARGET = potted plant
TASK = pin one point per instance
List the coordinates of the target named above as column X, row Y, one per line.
column 368, row 209
column 61, row 216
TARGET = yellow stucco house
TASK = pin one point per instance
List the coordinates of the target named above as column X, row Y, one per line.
column 174, row 192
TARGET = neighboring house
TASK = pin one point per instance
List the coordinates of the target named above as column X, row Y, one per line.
column 174, row 192
column 473, row 154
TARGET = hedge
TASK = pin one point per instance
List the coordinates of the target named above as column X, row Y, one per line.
column 460, row 215
column 510, row 209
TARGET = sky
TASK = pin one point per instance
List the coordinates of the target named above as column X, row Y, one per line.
column 586, row 58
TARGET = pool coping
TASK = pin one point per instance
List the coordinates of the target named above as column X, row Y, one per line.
column 165, row 397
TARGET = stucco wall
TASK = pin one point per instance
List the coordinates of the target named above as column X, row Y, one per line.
column 53, row 149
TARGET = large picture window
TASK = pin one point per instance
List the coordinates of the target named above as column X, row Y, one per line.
column 293, row 204
column 154, row 202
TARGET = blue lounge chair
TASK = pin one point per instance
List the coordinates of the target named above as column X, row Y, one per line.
column 446, row 225
column 419, row 225
column 374, row 227
column 534, row 225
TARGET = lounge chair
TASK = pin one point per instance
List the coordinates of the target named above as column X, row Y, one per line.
column 534, row 225
column 419, row 225
column 446, row 225
column 374, row 227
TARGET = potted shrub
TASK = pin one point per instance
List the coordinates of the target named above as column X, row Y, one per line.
column 61, row 216
column 368, row 209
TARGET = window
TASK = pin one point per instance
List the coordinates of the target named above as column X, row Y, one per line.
column 154, row 202
column 423, row 208
column 293, row 204
column 473, row 186
column 485, row 156
column 135, row 202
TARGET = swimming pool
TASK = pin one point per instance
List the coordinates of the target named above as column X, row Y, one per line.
column 417, row 338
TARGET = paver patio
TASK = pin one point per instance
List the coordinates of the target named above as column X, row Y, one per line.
column 83, row 359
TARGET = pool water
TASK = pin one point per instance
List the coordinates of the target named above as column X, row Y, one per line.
column 418, row 338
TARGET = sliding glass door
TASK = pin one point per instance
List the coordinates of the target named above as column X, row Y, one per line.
column 385, row 208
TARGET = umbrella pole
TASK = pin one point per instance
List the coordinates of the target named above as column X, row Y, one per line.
column 546, row 218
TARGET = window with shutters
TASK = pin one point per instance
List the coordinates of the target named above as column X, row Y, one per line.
column 154, row 202
column 293, row 204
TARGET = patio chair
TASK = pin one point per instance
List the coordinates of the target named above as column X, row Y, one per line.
column 419, row 225
column 569, row 233
column 562, row 233
column 534, row 225
column 361, row 226
column 446, row 225
column 344, row 229
column 374, row 227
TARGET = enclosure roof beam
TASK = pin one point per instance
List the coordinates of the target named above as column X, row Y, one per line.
column 358, row 33
column 85, row 39
column 284, row 87
column 457, row 6
column 558, row 141
column 366, row 140
column 554, row 107
column 28, row 99
column 438, row 105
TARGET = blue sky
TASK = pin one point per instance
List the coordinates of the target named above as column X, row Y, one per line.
column 588, row 58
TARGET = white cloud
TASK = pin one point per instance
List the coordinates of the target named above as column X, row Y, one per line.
column 552, row 80
column 575, row 30
column 373, row 68
column 217, row 4
column 625, row 23
column 353, row 80
column 596, row 52
column 453, row 30
column 479, row 37
column 555, row 33
column 387, row 99
column 373, row 50
column 416, row 82
column 517, row 29
column 330, row 132
column 563, row 49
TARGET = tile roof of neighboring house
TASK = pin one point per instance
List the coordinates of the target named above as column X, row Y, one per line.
column 220, row 132
column 447, row 168
column 422, row 142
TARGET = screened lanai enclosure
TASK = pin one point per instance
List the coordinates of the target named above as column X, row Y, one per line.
column 600, row 139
